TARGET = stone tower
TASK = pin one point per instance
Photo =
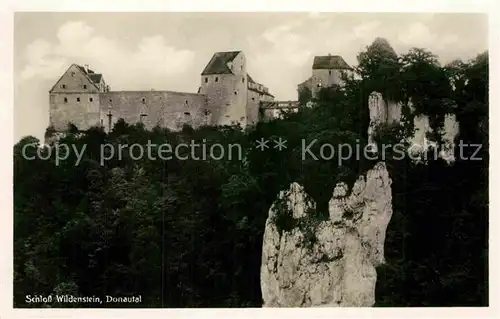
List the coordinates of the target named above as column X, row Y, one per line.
column 75, row 98
column 224, row 82
column 326, row 72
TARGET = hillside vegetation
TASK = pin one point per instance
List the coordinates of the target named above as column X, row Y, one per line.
column 188, row 233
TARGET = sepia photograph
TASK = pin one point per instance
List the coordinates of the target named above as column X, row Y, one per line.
column 250, row 160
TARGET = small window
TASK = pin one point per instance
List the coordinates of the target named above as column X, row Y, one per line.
column 235, row 93
column 91, row 99
column 206, row 80
column 65, row 100
column 78, row 99
column 84, row 86
column 242, row 118
column 329, row 72
column 216, row 79
column 72, row 73
column 187, row 113
column 110, row 100
column 102, row 122
column 253, row 99
column 143, row 101
column 63, row 86
column 243, row 80
column 186, row 102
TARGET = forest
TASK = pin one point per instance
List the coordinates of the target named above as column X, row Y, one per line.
column 188, row 233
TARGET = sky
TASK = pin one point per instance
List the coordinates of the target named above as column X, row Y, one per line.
column 168, row 51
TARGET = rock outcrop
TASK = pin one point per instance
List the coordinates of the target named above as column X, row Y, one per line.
column 390, row 112
column 328, row 262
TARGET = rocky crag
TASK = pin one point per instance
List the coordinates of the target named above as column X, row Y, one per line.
column 329, row 262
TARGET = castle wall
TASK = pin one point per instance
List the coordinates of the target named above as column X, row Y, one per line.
column 163, row 108
column 65, row 108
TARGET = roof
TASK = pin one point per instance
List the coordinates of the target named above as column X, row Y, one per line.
column 260, row 92
column 330, row 62
column 95, row 77
column 218, row 63
column 83, row 69
column 306, row 83
column 249, row 79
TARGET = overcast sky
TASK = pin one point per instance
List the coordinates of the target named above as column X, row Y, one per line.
column 168, row 51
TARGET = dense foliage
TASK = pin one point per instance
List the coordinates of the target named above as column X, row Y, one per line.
column 188, row 232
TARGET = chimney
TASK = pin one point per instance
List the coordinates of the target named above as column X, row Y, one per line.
column 86, row 68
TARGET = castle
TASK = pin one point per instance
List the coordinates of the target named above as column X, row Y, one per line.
column 227, row 96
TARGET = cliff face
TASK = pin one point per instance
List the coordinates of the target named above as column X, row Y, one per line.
column 390, row 112
column 331, row 262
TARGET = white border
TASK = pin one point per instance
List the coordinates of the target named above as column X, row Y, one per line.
column 6, row 136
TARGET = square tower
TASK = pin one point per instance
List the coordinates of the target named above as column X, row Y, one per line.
column 224, row 82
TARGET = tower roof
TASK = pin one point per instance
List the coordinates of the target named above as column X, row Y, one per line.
column 330, row 62
column 218, row 63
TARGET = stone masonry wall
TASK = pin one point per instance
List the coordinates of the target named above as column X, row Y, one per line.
column 81, row 109
column 253, row 107
column 163, row 108
column 325, row 77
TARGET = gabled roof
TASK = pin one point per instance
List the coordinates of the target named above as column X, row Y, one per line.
column 218, row 63
column 87, row 75
column 306, row 83
column 330, row 62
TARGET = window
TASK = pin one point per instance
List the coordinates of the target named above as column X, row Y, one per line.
column 143, row 101
column 91, row 99
column 253, row 99
column 329, row 72
column 187, row 113
column 78, row 99
column 216, row 79
column 206, row 80
column 65, row 100
column 186, row 102
column 242, row 118
column 72, row 73
column 84, row 86
column 243, row 80
column 142, row 118
column 102, row 122
column 63, row 86
column 235, row 93
column 110, row 100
